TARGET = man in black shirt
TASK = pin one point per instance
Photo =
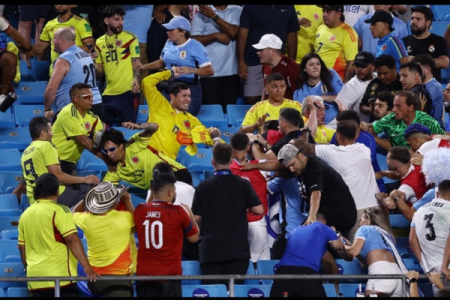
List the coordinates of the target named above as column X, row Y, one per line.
column 220, row 208
column 387, row 80
column 422, row 41
column 324, row 187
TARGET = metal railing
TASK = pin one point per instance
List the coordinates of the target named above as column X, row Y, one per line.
column 231, row 278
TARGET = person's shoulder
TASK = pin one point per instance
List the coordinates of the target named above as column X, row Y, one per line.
column 127, row 34
column 258, row 105
column 290, row 102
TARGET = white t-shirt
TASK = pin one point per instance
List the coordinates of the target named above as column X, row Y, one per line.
column 185, row 193
column 432, row 222
column 428, row 146
column 410, row 194
column 354, row 164
column 353, row 12
column 4, row 24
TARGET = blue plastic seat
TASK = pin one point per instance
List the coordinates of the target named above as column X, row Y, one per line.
column 24, row 204
column 10, row 212
column 402, row 243
column 266, row 267
column 25, row 72
column 136, row 200
column 10, row 160
column 7, row 119
column 31, row 92
column 8, row 247
column 24, row 113
column 236, row 114
column 9, row 234
column 142, row 113
column 227, row 132
column 12, row 269
column 251, row 271
column 128, row 133
column 204, row 290
column 349, row 268
column 399, row 221
column 15, row 138
column 438, row 28
column 89, row 161
column 208, row 173
column 351, row 289
column 9, row 181
column 40, row 69
column 330, row 290
column 21, row 292
column 9, row 201
column 8, row 222
column 409, row 264
column 212, row 115
column 198, row 162
column 191, row 267
column 252, row 290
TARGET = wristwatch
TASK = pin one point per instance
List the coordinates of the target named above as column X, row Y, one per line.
column 215, row 18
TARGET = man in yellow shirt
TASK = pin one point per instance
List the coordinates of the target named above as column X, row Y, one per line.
column 65, row 18
column 41, row 157
column 336, row 42
column 172, row 117
column 310, row 17
column 269, row 109
column 313, row 113
column 48, row 242
column 75, row 128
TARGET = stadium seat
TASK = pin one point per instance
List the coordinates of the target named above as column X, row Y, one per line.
column 9, row 234
column 399, row 221
column 128, row 133
column 10, row 212
column 24, row 204
column 15, row 138
column 8, row 223
column 136, row 200
column 266, row 267
column 30, row 92
column 208, row 173
column 7, row 119
column 204, row 290
column 142, row 113
column 409, row 264
column 438, row 28
column 212, row 115
column 12, row 269
column 88, row 161
column 40, row 69
column 349, row 268
column 440, row 11
column 191, row 267
column 9, row 201
column 402, row 243
column 84, row 242
column 330, row 290
column 2, row 293
column 24, row 113
column 196, row 178
column 351, row 289
column 21, row 292
column 198, row 162
column 236, row 114
column 251, row 271
column 9, row 181
column 10, row 160
column 252, row 290
column 25, row 72
column 427, row 289
column 8, row 247
column 227, row 132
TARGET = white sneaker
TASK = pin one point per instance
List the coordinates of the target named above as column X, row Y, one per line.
column 2, row 98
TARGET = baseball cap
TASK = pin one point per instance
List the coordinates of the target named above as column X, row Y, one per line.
column 287, row 153
column 178, row 22
column 381, row 16
column 364, row 58
column 333, row 7
column 269, row 41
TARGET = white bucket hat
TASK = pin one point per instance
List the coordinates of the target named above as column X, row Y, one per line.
column 102, row 197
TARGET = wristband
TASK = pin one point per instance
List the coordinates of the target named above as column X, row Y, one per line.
column 413, row 280
column 48, row 109
column 215, row 18
column 395, row 199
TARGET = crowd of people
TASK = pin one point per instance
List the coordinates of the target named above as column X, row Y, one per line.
column 332, row 89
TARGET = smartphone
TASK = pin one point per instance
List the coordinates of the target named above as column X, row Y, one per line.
column 90, row 47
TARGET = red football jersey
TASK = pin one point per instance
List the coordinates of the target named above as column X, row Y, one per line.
column 287, row 67
column 160, row 228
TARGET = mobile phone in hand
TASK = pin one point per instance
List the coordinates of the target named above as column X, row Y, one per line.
column 90, row 47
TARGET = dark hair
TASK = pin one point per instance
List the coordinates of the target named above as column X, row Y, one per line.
column 426, row 11
column 239, row 141
column 349, row 115
column 37, row 124
column 444, row 186
column 411, row 98
column 425, row 60
column 347, row 128
column 222, row 153
column 275, row 77
column 77, row 87
column 109, row 11
column 387, row 97
column 270, row 125
column 400, row 154
column 162, row 175
column 292, row 116
column 112, row 135
column 416, row 128
column 413, row 67
column 445, row 292
column 176, row 87
column 46, row 185
column 385, row 60
column 325, row 74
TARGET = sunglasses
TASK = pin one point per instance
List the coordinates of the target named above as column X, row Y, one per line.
column 85, row 96
column 112, row 149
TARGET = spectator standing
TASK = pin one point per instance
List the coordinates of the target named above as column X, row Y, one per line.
column 313, row 112
column 72, row 66
column 315, row 78
column 422, row 41
column 354, row 12
column 119, row 60
column 273, row 60
column 186, row 57
column 309, row 17
column 216, row 27
column 366, row 42
column 256, row 21
column 65, row 18
column 160, row 230
column 47, row 230
column 336, row 42
column 107, row 232
column 41, row 157
column 221, row 212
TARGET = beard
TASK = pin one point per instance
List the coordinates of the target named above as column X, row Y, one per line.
column 115, row 30
column 173, row 200
column 417, row 31
column 62, row 11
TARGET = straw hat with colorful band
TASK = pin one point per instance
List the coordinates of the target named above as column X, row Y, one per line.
column 103, row 197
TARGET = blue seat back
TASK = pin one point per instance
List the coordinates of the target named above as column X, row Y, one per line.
column 9, row 201
column 88, row 161
column 8, row 247
column 212, row 115
column 7, row 119
column 128, row 133
column 9, row 234
column 10, row 160
column 8, row 222
column 236, row 114
column 15, row 138
column 142, row 113
column 330, row 290
column 351, row 289
column 9, row 181
column 12, row 269
column 251, row 271
column 349, row 268
column 191, row 267
column 252, row 290
column 24, row 113
column 266, row 267
column 199, row 162
column 30, row 92
column 40, row 69
column 204, row 290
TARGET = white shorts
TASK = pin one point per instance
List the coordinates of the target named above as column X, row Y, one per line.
column 258, row 240
column 391, row 287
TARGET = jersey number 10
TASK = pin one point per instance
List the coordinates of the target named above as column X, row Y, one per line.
column 150, row 231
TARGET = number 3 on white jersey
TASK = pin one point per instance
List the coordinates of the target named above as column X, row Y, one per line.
column 153, row 228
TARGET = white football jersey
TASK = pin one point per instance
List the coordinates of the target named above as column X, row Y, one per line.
column 432, row 223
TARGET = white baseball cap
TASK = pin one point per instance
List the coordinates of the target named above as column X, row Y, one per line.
column 269, row 41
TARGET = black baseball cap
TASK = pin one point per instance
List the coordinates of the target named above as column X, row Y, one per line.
column 364, row 58
column 381, row 16
column 333, row 7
